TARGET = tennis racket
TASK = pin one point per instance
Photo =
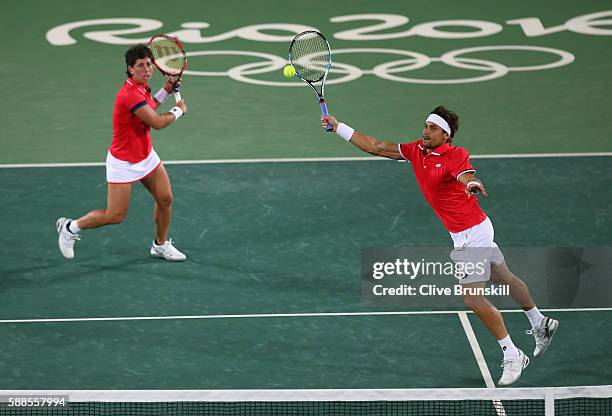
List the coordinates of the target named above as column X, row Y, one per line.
column 170, row 58
column 310, row 55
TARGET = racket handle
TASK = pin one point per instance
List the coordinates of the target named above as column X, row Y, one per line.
column 177, row 91
column 325, row 113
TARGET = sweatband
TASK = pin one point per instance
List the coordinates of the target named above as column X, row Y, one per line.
column 471, row 183
column 439, row 121
column 344, row 131
column 161, row 95
column 177, row 112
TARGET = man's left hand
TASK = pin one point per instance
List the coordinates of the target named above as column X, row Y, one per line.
column 475, row 187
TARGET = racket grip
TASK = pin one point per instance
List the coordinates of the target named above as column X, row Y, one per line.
column 177, row 91
column 325, row 113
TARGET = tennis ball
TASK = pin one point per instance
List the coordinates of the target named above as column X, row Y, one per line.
column 289, row 71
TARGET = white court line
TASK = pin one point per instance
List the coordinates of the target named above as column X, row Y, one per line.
column 471, row 336
column 482, row 364
column 275, row 315
column 304, row 159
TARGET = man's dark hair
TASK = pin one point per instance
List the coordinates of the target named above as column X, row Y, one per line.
column 135, row 53
column 451, row 118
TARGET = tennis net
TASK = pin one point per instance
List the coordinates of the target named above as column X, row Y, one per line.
column 562, row 401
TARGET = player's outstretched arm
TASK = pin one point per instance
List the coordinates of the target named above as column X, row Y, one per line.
column 364, row 142
column 159, row 121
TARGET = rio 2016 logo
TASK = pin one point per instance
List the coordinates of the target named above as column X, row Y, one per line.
column 592, row 24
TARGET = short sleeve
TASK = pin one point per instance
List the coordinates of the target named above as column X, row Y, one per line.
column 407, row 150
column 462, row 163
column 133, row 100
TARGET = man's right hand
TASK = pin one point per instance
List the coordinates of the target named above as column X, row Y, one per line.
column 329, row 119
column 181, row 104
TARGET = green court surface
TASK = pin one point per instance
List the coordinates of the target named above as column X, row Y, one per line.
column 62, row 95
column 270, row 297
column 272, row 238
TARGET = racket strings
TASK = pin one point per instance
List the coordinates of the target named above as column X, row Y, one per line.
column 310, row 56
column 168, row 55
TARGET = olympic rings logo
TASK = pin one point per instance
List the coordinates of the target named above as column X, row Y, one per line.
column 392, row 71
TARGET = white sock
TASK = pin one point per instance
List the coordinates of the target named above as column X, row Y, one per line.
column 535, row 317
column 508, row 348
column 74, row 227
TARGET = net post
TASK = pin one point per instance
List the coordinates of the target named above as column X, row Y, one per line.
column 549, row 402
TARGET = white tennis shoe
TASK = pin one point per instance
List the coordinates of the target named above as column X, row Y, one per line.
column 167, row 251
column 513, row 368
column 66, row 238
column 543, row 335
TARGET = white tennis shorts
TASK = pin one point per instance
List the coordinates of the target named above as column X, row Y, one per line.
column 475, row 252
column 120, row 171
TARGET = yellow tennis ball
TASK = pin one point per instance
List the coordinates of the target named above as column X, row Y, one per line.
column 289, row 71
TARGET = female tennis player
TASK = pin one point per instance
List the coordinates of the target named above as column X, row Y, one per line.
column 131, row 158
column 446, row 178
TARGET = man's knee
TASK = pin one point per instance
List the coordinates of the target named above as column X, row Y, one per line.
column 474, row 302
column 500, row 273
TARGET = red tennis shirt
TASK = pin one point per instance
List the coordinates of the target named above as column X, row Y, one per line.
column 131, row 137
column 437, row 173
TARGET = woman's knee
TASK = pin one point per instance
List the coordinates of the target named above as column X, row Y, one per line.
column 115, row 217
column 165, row 199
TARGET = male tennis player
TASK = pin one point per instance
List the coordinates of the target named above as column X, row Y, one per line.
column 447, row 180
column 131, row 158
